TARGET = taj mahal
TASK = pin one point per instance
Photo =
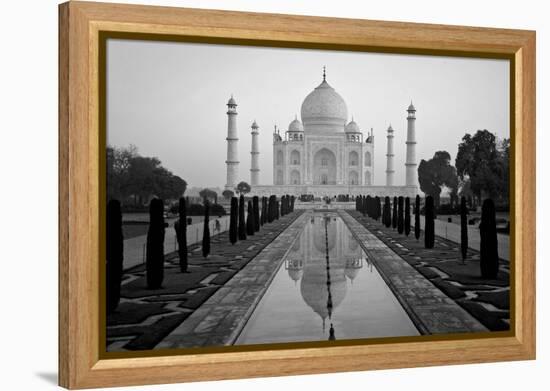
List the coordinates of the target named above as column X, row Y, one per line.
column 323, row 154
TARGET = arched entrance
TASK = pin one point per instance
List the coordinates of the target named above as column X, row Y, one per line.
column 324, row 167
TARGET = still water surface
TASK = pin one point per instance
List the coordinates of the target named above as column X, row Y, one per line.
column 314, row 297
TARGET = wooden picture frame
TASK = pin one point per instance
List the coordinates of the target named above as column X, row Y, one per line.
column 81, row 364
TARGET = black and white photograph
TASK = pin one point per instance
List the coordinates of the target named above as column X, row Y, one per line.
column 266, row 195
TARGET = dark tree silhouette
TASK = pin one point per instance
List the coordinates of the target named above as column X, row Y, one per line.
column 263, row 217
column 394, row 215
column 400, row 215
column 292, row 200
column 429, row 234
column 242, row 221
column 463, row 229
column 256, row 209
column 233, row 220
column 387, row 212
column 250, row 220
column 489, row 241
column 407, row 216
column 154, row 258
column 206, row 230
column 114, row 253
column 181, row 234
column 417, row 217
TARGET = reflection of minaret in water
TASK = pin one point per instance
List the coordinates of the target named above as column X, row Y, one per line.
column 329, row 298
column 331, row 336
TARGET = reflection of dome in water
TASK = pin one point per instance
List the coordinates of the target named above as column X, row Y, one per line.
column 314, row 290
column 295, row 274
column 353, row 267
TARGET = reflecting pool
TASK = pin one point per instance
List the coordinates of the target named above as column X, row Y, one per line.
column 326, row 289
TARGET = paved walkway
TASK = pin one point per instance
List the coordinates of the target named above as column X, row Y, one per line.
column 134, row 248
column 451, row 231
column 488, row 300
column 431, row 310
column 144, row 316
column 221, row 318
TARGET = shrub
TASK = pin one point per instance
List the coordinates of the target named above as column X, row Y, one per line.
column 154, row 259
column 242, row 221
column 489, row 241
column 233, row 220
column 463, row 228
column 181, row 235
column 407, row 216
column 400, row 216
column 114, row 254
column 429, row 234
column 417, row 217
column 195, row 210
column 217, row 210
column 256, row 210
column 228, row 194
column 206, row 230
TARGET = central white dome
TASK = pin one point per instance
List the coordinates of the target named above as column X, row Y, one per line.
column 324, row 107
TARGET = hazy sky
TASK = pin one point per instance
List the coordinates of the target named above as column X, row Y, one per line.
column 169, row 99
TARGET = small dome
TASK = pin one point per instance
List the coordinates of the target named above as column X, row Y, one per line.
column 352, row 127
column 295, row 126
column 390, row 129
column 411, row 107
column 255, row 125
column 232, row 101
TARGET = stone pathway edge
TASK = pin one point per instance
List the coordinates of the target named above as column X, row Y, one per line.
column 182, row 336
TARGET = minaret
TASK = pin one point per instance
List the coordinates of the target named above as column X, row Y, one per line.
column 232, row 145
column 389, row 168
column 410, row 163
column 254, row 157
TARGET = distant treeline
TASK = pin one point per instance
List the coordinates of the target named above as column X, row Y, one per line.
column 135, row 179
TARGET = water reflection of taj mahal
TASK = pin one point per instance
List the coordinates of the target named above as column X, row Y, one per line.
column 323, row 285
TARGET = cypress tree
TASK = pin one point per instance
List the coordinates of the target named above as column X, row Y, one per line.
column 394, row 216
column 250, row 220
column 233, row 220
column 292, row 200
column 270, row 210
column 489, row 241
column 264, row 210
column 429, row 234
column 206, row 230
column 357, row 204
column 114, row 254
column 407, row 216
column 370, row 203
column 242, row 221
column 378, row 208
column 417, row 217
column 154, row 258
column 277, row 208
column 463, row 229
column 400, row 215
column 256, row 209
column 364, row 207
column 387, row 213
column 181, row 234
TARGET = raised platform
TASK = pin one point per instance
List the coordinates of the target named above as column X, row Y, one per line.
column 334, row 190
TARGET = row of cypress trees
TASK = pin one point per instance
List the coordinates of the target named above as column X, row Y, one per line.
column 270, row 210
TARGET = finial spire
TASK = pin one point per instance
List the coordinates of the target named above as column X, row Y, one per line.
column 324, row 73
